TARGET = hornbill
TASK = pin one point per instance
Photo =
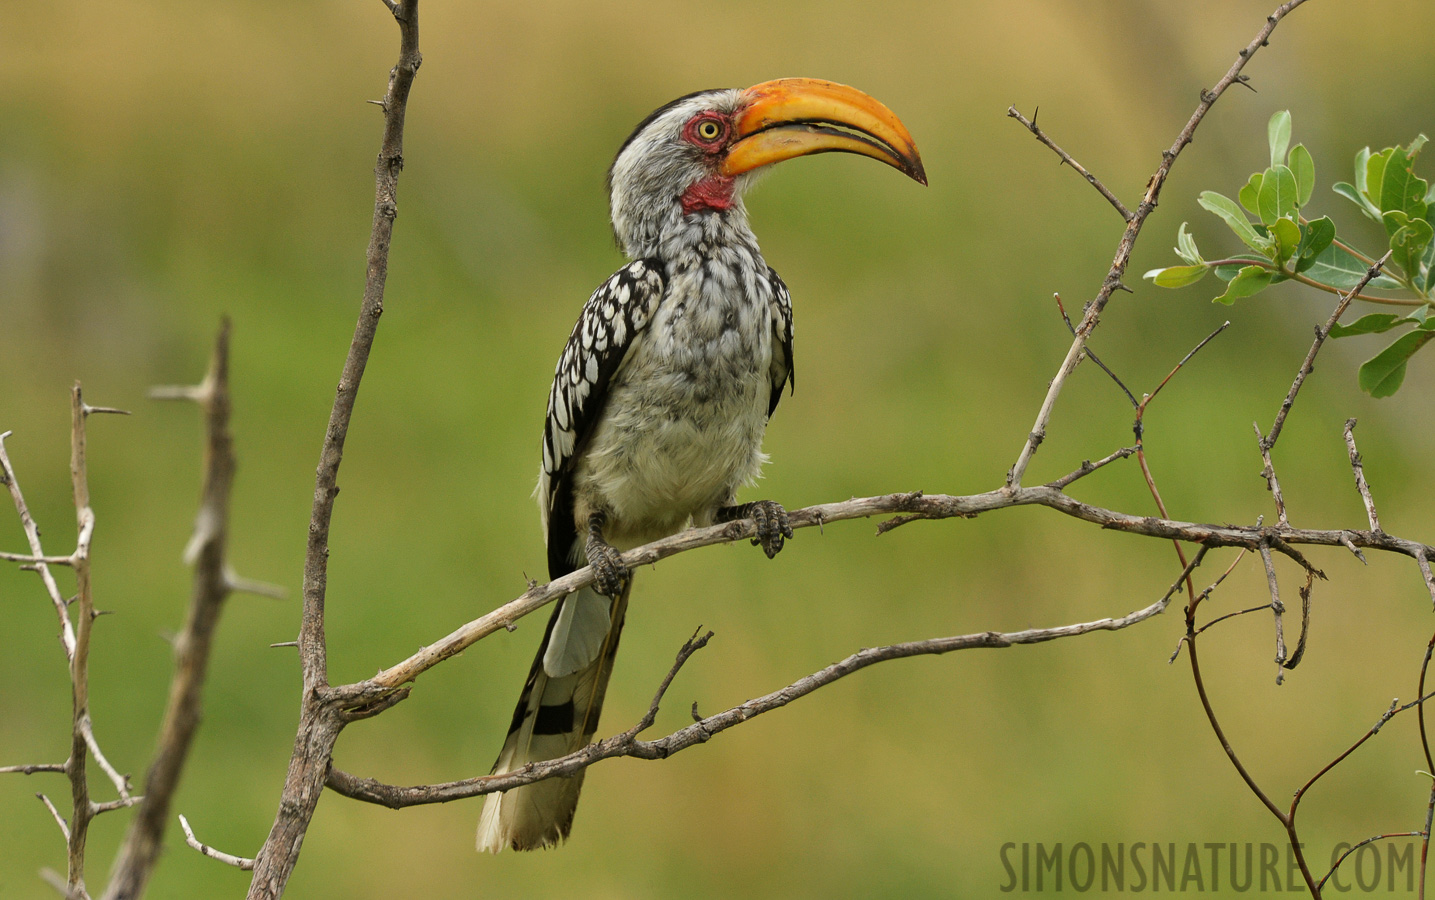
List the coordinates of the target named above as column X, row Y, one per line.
column 663, row 392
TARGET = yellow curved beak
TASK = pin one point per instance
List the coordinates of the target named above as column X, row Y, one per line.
column 793, row 117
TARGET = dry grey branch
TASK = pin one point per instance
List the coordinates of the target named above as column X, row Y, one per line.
column 239, row 862
column 38, row 558
column 140, row 850
column 1358, row 467
column 1030, row 125
column 1128, row 241
column 320, row 722
column 628, row 743
column 1269, row 441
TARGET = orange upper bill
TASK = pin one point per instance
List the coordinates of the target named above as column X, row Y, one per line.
column 793, row 117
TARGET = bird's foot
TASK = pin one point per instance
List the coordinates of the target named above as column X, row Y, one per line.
column 610, row 575
column 772, row 525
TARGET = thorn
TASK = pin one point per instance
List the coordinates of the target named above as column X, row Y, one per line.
column 87, row 409
column 95, row 614
column 285, row 644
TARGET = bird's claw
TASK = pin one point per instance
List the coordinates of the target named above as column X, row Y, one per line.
column 770, row 517
column 610, row 576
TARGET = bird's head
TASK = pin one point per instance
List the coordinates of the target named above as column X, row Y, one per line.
column 691, row 160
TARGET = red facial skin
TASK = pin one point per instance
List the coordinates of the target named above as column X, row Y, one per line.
column 713, row 192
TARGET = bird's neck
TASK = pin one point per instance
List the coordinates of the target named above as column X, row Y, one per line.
column 674, row 234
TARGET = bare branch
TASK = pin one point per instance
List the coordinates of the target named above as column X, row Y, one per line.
column 1359, row 469
column 37, row 552
column 1277, row 610
column 1369, row 840
column 1128, row 240
column 320, row 724
column 1030, row 125
column 140, row 850
column 31, row 770
column 239, row 862
column 1268, row 472
column 59, row 819
column 628, row 744
column 926, row 506
column 1087, row 467
column 1321, row 334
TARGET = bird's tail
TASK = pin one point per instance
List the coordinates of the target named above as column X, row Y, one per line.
column 556, row 715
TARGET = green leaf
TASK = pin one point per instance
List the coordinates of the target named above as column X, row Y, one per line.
column 1409, row 242
column 1362, row 156
column 1303, row 165
column 1277, row 196
column 1279, row 132
column 1316, row 235
column 1336, row 268
column 1352, row 193
column 1375, row 323
column 1177, row 276
column 1375, row 174
column 1249, row 281
column 1186, row 247
column 1287, row 235
column 1249, row 193
column 1427, row 268
column 1232, row 215
column 1400, row 188
column 1383, row 374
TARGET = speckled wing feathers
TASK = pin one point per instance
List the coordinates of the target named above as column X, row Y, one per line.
column 783, row 371
column 616, row 313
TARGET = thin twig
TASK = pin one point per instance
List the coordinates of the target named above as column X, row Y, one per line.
column 1277, row 610
column 1320, row 335
column 37, row 552
column 1128, row 240
column 59, row 819
column 1087, row 467
column 1093, row 357
column 229, row 859
column 31, row 770
column 1031, row 126
column 1358, row 468
column 1268, row 472
column 1369, row 840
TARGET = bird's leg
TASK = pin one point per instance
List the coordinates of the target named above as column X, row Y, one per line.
column 772, row 525
column 608, row 569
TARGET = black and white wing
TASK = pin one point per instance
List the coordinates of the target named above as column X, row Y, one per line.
column 783, row 372
column 616, row 313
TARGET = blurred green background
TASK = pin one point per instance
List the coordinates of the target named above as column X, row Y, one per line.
column 164, row 162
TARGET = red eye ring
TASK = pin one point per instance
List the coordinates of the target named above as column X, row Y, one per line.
column 706, row 130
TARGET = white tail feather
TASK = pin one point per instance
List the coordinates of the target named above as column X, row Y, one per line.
column 557, row 714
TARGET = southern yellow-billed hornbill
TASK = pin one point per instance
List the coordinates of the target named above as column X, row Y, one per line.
column 662, row 395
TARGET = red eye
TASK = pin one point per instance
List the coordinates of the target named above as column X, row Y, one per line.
column 706, row 131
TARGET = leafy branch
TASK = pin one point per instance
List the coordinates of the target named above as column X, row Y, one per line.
column 1289, row 246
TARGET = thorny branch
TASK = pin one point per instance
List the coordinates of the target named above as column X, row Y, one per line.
column 628, row 744
column 320, row 721
column 1030, row 125
column 1128, row 241
column 206, row 552
column 76, row 640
